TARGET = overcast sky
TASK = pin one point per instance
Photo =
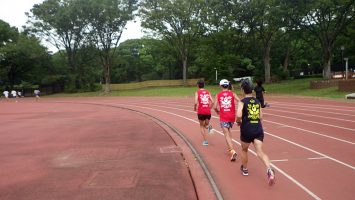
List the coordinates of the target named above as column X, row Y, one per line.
column 13, row 12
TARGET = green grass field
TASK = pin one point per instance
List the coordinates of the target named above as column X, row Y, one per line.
column 298, row 87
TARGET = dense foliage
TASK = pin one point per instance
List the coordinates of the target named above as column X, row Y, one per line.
column 267, row 39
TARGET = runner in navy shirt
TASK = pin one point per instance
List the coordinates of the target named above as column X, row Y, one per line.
column 251, row 130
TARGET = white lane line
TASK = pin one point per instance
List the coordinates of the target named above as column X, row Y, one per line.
column 311, row 150
column 317, row 158
column 308, row 131
column 325, row 124
column 306, row 114
column 309, row 121
column 274, row 166
column 308, row 110
column 285, row 125
column 282, row 160
column 346, row 109
column 286, row 160
column 283, row 139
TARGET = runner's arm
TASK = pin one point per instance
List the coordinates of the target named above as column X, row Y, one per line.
column 216, row 106
column 240, row 111
column 196, row 101
column 212, row 101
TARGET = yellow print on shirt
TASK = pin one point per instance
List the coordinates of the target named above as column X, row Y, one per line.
column 253, row 112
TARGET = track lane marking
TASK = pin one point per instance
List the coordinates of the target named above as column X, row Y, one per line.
column 313, row 132
column 254, row 153
column 285, row 125
column 291, row 108
column 283, row 139
column 326, row 107
column 309, row 121
column 286, row 160
column 333, row 118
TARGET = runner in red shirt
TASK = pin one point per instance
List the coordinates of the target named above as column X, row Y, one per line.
column 203, row 104
column 226, row 106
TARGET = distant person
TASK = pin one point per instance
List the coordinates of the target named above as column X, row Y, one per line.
column 225, row 106
column 203, row 104
column 19, row 93
column 259, row 93
column 14, row 95
column 251, row 130
column 6, row 94
column 37, row 93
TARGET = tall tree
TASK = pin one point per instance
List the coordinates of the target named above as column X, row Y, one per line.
column 63, row 23
column 108, row 19
column 176, row 21
column 324, row 19
column 263, row 19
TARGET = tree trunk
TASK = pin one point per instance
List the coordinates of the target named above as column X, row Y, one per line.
column 327, row 58
column 286, row 60
column 184, row 70
column 267, row 65
column 107, row 78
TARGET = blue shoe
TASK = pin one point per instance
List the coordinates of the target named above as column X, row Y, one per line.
column 205, row 143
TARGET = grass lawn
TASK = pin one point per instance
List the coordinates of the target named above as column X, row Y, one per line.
column 301, row 87
column 292, row 87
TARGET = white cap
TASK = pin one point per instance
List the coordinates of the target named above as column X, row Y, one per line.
column 224, row 82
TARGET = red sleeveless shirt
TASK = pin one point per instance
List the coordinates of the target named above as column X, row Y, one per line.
column 203, row 97
column 226, row 106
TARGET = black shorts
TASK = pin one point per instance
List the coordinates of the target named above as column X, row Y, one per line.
column 203, row 117
column 248, row 138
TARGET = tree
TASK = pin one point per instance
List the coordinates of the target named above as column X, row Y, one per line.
column 108, row 19
column 23, row 60
column 63, row 23
column 324, row 19
column 176, row 21
column 263, row 19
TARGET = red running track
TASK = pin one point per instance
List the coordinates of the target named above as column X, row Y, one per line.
column 310, row 142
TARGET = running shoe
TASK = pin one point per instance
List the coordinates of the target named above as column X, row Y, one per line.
column 244, row 171
column 234, row 155
column 210, row 129
column 271, row 176
column 205, row 143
